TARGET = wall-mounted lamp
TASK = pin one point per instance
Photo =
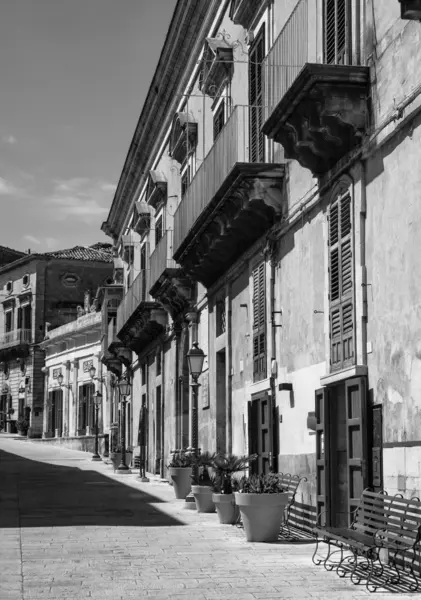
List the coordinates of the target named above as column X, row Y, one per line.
column 92, row 372
column 60, row 381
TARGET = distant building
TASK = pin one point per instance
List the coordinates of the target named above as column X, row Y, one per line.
column 40, row 292
column 74, row 374
column 7, row 255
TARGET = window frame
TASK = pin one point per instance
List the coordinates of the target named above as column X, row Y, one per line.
column 259, row 337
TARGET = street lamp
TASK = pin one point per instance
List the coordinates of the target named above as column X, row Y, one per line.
column 124, row 387
column 195, row 360
column 97, row 404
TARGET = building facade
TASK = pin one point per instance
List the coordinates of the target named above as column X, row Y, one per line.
column 39, row 293
column 76, row 381
column 256, row 214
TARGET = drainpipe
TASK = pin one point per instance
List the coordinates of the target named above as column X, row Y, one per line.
column 271, row 254
column 229, row 368
column 162, row 467
column 363, row 218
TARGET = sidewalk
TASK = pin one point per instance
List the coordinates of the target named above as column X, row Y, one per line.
column 71, row 529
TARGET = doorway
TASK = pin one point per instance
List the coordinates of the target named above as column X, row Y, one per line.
column 221, row 404
column 260, row 432
column 341, row 450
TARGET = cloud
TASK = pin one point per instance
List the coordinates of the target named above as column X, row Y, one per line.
column 32, row 239
column 7, row 188
column 80, row 198
column 9, row 139
column 50, row 242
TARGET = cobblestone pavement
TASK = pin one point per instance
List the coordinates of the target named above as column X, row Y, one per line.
column 71, row 529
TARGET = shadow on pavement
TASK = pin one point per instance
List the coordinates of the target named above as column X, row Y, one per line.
column 37, row 494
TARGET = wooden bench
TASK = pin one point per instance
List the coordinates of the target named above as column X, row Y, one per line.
column 380, row 521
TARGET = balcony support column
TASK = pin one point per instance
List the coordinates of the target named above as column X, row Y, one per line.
column 45, row 419
column 75, row 397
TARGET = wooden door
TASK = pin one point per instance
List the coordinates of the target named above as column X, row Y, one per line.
column 356, row 428
column 322, row 457
column 261, row 432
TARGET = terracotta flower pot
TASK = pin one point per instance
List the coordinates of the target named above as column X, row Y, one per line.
column 262, row 515
column 180, row 477
column 228, row 511
column 203, row 497
column 115, row 458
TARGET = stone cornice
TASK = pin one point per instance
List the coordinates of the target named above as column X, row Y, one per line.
column 187, row 30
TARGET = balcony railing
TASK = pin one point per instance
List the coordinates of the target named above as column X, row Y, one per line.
column 230, row 147
column 161, row 258
column 16, row 337
column 137, row 293
column 293, row 48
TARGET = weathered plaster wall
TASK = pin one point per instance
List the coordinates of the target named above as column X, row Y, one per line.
column 394, row 313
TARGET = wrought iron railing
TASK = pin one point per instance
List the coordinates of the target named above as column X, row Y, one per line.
column 230, row 147
column 15, row 337
column 161, row 258
column 137, row 293
column 293, row 48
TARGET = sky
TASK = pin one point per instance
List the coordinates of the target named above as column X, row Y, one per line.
column 73, row 78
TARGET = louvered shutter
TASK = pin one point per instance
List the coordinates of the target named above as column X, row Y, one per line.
column 322, row 457
column 256, row 101
column 337, row 32
column 341, row 270
column 259, row 323
column 81, row 408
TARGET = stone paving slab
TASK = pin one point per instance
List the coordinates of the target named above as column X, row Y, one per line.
column 72, row 529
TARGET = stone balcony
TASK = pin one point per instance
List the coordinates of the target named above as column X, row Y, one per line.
column 140, row 319
column 168, row 283
column 15, row 343
column 229, row 204
column 318, row 112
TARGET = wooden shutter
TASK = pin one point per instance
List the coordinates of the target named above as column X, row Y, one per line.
column 341, row 285
column 322, row 457
column 19, row 318
column 59, row 409
column 259, row 323
column 337, row 32
column 356, row 431
column 252, row 410
column 256, row 100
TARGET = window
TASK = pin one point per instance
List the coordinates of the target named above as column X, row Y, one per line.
column 158, row 363
column 86, row 406
column 143, row 370
column 185, row 181
column 341, row 285
column 158, row 230
column 8, row 321
column 337, row 32
column 256, row 56
column 9, row 287
column 259, row 323
column 219, row 120
column 143, row 257
column 24, row 317
column 220, row 317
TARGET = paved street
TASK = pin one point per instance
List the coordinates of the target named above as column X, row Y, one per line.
column 72, row 529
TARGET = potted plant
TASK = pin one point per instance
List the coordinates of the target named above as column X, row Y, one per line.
column 179, row 471
column 225, row 484
column 262, row 500
column 202, row 482
column 22, row 425
column 115, row 456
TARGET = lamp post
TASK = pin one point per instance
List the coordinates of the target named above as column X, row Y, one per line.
column 97, row 404
column 124, row 387
column 195, row 360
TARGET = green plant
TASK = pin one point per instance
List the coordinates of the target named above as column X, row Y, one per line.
column 22, row 424
column 180, row 459
column 225, row 466
column 202, row 462
column 269, row 483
